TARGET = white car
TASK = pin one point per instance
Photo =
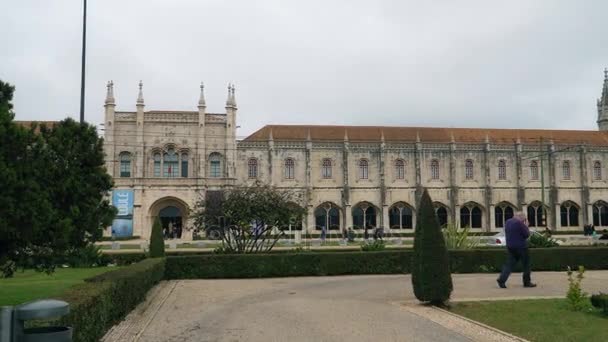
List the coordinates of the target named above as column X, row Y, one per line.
column 501, row 240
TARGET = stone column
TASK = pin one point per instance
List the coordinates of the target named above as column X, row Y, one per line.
column 492, row 215
column 557, row 216
column 385, row 220
column 310, row 219
column 584, row 185
column 348, row 214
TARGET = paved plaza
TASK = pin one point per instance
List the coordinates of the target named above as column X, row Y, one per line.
column 344, row 308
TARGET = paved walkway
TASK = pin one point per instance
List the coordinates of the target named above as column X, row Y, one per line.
column 346, row 308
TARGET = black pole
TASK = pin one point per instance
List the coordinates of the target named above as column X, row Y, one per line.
column 84, row 49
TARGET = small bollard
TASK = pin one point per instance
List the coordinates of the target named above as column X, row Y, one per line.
column 12, row 322
column 172, row 245
column 115, row 245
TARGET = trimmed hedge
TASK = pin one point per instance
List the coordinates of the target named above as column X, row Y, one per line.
column 382, row 262
column 105, row 299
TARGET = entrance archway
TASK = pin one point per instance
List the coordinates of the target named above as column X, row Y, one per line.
column 171, row 221
column 173, row 215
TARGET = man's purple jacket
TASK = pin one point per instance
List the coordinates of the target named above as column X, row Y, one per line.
column 516, row 233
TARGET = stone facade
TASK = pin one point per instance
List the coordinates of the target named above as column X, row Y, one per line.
column 354, row 176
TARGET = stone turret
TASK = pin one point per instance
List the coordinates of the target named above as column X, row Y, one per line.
column 602, row 106
column 110, row 107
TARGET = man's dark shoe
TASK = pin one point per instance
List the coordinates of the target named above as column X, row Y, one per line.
column 530, row 285
column 502, row 285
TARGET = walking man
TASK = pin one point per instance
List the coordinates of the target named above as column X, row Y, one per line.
column 516, row 233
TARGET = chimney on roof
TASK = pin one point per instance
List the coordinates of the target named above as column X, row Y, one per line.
column 602, row 105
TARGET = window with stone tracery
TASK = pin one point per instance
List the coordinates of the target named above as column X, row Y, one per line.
column 363, row 169
column 170, row 164
column 326, row 168
column 125, row 164
column 566, row 170
column 534, row 170
column 597, row 170
column 289, row 168
column 399, row 169
column 468, row 169
column 157, row 165
column 434, row 169
column 502, row 170
column 252, row 168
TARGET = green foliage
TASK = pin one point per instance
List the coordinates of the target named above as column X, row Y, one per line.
column 54, row 188
column 577, row 298
column 377, row 245
column 286, row 264
column 253, row 217
column 600, row 301
column 537, row 240
column 157, row 242
column 431, row 278
column 107, row 298
column 87, row 256
column 456, row 238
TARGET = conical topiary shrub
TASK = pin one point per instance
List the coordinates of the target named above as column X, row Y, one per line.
column 157, row 243
column 431, row 276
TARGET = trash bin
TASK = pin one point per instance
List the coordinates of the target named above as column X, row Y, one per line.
column 40, row 310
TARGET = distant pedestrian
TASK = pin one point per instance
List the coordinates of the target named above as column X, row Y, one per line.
column 516, row 233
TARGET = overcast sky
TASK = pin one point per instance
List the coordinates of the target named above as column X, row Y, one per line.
column 528, row 64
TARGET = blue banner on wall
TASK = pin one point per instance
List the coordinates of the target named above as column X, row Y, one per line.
column 122, row 226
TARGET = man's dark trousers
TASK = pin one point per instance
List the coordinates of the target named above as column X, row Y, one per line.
column 515, row 255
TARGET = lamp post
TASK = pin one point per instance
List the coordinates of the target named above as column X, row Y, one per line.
column 84, row 46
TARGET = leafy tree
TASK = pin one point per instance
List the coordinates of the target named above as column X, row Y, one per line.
column 255, row 216
column 431, row 276
column 157, row 243
column 54, row 189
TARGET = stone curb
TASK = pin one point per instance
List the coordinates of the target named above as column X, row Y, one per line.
column 498, row 331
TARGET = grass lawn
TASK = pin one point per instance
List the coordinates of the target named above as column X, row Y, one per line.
column 31, row 285
column 538, row 319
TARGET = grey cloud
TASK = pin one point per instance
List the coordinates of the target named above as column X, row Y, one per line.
column 437, row 63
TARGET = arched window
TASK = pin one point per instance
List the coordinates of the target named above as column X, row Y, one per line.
column 399, row 169
column 434, row 169
column 534, row 170
column 569, row 214
column 215, row 165
column 326, row 168
column 536, row 215
column 363, row 169
column 289, row 168
column 471, row 216
column 252, row 168
column 364, row 215
column 600, row 214
column 597, row 171
column 184, row 165
column 125, row 164
column 170, row 164
column 502, row 212
column 502, row 170
column 156, row 164
column 442, row 215
column 566, row 170
column 468, row 169
column 327, row 217
column 400, row 216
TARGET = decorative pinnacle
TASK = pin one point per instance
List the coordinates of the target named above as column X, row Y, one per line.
column 110, row 93
column 233, row 98
column 604, row 99
column 229, row 99
column 452, row 140
column 417, row 136
column 345, row 134
column 201, row 100
column 270, row 136
column 140, row 96
column 308, row 138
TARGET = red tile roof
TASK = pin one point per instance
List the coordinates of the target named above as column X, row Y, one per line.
column 426, row 134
